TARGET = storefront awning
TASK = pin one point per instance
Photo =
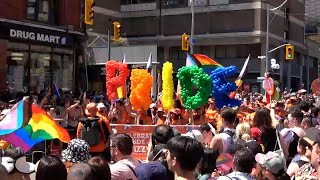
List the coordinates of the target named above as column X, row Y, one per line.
column 41, row 26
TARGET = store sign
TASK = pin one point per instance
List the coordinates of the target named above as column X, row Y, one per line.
column 29, row 35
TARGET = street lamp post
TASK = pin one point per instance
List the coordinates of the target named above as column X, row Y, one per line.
column 192, row 26
column 267, row 36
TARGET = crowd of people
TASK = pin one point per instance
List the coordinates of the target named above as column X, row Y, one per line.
column 275, row 140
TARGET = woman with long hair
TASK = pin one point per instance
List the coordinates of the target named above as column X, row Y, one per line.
column 263, row 121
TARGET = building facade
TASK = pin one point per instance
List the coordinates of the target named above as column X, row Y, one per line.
column 40, row 44
column 225, row 30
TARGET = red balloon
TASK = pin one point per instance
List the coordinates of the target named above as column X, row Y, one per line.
column 113, row 81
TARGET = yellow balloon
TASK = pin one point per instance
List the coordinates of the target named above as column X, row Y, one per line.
column 167, row 86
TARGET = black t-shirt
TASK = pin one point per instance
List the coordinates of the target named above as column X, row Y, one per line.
column 269, row 140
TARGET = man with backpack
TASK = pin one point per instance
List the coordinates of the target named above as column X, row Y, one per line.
column 222, row 141
column 95, row 131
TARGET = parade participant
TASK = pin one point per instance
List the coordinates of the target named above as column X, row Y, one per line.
column 304, row 155
column 315, row 116
column 210, row 114
column 121, row 148
column 208, row 131
column 153, row 109
column 76, row 152
column 95, row 130
column 183, row 156
column 292, row 134
column 263, row 121
column 208, row 164
column 100, row 168
column 120, row 112
column 175, row 118
column 3, row 173
column 243, row 163
column 80, row 171
column 311, row 170
column 272, row 165
column 151, row 170
column 242, row 132
column 75, row 113
column 144, row 117
column 15, row 162
column 221, row 141
column 161, row 135
column 102, row 110
column 160, row 115
column 185, row 115
column 306, row 123
column 51, row 168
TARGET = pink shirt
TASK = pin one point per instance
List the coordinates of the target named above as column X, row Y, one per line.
column 120, row 171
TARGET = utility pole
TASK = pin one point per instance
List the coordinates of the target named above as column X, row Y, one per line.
column 267, row 39
column 192, row 26
column 109, row 55
column 267, row 35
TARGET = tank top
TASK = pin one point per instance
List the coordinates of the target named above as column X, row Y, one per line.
column 227, row 138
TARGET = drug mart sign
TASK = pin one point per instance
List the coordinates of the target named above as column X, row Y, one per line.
column 37, row 36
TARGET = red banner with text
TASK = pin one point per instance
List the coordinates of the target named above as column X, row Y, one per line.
column 141, row 135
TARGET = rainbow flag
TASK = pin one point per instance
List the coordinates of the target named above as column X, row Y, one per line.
column 203, row 61
column 40, row 127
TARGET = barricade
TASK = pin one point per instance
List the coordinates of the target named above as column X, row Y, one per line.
column 141, row 135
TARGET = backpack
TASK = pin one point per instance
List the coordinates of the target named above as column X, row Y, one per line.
column 231, row 134
column 92, row 132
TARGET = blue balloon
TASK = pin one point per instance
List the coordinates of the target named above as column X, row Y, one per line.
column 221, row 88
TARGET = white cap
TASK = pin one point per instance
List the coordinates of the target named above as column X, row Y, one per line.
column 101, row 105
column 153, row 105
column 194, row 134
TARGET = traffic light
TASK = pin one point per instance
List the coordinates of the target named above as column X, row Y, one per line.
column 116, row 31
column 289, row 52
column 88, row 11
column 185, row 42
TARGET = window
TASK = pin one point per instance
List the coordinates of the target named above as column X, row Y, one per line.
column 42, row 10
column 31, row 9
column 127, row 2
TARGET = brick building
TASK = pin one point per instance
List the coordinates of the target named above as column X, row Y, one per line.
column 226, row 30
column 40, row 43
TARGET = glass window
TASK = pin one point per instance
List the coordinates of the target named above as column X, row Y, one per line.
column 126, row 2
column 43, row 10
column 17, row 70
column 62, row 66
column 40, row 73
column 31, row 9
column 39, row 10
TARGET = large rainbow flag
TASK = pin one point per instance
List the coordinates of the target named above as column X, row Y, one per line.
column 39, row 127
column 203, row 61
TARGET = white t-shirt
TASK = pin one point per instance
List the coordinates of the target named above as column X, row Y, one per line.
column 237, row 175
column 120, row 170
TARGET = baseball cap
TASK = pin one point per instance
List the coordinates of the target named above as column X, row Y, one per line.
column 80, row 171
column 272, row 161
column 312, row 136
column 152, row 170
column 101, row 105
column 254, row 147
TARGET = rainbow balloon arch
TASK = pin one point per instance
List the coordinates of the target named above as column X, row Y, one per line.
column 201, row 79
